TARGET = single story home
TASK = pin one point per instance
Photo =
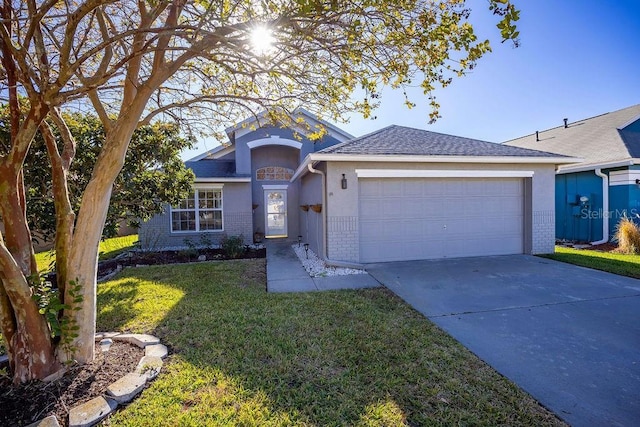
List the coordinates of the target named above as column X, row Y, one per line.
column 594, row 194
column 395, row 194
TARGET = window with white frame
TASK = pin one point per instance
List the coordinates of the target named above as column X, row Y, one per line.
column 274, row 173
column 200, row 211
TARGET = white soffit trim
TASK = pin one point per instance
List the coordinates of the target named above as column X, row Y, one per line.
column 405, row 158
column 207, row 186
column 214, row 180
column 419, row 173
column 592, row 166
column 274, row 140
column 275, row 187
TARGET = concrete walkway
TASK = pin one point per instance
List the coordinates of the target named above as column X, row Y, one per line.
column 285, row 273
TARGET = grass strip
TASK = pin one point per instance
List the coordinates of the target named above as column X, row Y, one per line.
column 624, row 265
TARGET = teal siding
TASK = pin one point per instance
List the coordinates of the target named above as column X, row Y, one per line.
column 576, row 220
column 583, row 221
column 624, row 201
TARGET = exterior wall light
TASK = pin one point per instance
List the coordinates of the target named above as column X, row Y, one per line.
column 344, row 182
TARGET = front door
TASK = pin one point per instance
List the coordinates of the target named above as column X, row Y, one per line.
column 275, row 202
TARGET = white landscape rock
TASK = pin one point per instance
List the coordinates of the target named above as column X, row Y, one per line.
column 91, row 412
column 317, row 267
column 50, row 421
column 149, row 367
column 141, row 340
column 127, row 387
column 158, row 350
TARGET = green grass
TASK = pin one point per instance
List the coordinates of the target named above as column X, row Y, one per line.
column 624, row 265
column 109, row 248
column 242, row 357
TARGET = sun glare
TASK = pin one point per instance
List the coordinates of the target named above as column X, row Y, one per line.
column 262, row 40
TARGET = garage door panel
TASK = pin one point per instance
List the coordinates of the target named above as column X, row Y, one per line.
column 413, row 188
column 368, row 207
column 453, row 188
column 422, row 218
column 414, row 206
column 473, row 206
column 392, row 188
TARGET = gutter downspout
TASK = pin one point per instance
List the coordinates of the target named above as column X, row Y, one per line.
column 330, row 262
column 605, row 207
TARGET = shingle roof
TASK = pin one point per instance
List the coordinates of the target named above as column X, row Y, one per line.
column 400, row 140
column 206, row 168
column 596, row 139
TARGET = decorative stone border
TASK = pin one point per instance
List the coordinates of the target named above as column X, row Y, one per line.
column 123, row 390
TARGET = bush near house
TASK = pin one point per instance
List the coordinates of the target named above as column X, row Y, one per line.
column 628, row 236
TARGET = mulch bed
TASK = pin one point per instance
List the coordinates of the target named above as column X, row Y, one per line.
column 605, row 247
column 139, row 258
column 26, row 403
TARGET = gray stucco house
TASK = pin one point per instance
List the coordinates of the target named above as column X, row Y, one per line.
column 396, row 194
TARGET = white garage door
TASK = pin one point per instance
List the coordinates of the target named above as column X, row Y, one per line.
column 424, row 218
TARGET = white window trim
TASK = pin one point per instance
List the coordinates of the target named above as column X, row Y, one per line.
column 196, row 209
column 284, row 188
column 456, row 173
column 274, row 140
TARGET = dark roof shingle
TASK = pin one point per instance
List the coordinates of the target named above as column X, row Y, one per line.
column 401, row 140
column 206, row 168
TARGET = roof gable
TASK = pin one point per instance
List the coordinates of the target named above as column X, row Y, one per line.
column 602, row 139
column 260, row 123
column 303, row 122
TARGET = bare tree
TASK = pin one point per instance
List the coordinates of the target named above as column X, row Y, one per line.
column 194, row 62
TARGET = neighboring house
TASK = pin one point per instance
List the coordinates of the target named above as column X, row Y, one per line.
column 594, row 194
column 395, row 194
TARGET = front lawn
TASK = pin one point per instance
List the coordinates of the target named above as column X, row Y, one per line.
column 245, row 357
column 624, row 265
column 109, row 248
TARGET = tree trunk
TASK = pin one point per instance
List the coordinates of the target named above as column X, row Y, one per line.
column 83, row 257
column 31, row 350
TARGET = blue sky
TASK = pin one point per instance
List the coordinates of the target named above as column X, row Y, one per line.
column 577, row 59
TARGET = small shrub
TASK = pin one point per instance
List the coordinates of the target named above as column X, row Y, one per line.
column 205, row 241
column 233, row 246
column 628, row 236
column 192, row 248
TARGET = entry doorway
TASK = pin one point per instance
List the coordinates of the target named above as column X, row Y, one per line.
column 275, row 202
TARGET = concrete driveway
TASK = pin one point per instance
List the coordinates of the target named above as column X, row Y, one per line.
column 568, row 335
